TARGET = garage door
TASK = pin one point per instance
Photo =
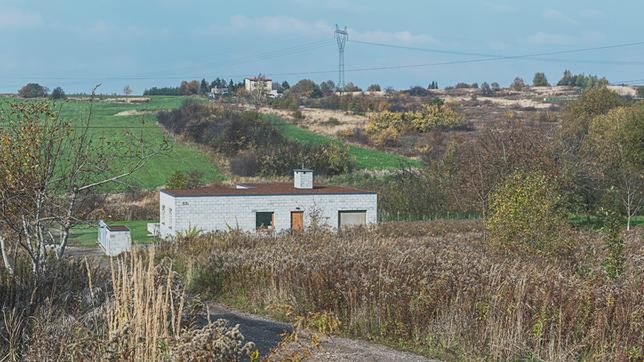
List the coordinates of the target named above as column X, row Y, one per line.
column 352, row 218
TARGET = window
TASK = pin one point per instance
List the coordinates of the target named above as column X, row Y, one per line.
column 264, row 220
column 163, row 215
column 170, row 218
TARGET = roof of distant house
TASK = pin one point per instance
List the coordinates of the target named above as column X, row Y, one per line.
column 262, row 189
column 256, row 79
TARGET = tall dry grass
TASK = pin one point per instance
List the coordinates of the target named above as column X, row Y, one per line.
column 136, row 310
column 436, row 288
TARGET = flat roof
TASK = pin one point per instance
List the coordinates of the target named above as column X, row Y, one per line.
column 117, row 228
column 263, row 189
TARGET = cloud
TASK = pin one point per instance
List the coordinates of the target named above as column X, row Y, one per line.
column 498, row 8
column 286, row 24
column 555, row 15
column 543, row 38
column 18, row 19
column 281, row 25
column 397, row 37
column 591, row 13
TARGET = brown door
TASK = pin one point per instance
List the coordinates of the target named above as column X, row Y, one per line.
column 297, row 220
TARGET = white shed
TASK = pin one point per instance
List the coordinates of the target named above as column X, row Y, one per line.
column 266, row 206
column 114, row 239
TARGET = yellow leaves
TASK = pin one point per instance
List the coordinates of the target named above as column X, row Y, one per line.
column 429, row 117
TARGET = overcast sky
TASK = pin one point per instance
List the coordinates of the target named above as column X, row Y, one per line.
column 144, row 43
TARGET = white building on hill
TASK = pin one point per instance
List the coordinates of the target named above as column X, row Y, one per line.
column 268, row 206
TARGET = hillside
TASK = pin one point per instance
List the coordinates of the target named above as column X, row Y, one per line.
column 113, row 118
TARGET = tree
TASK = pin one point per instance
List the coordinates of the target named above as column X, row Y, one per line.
column 540, row 80
column 517, row 84
column 203, row 87
column 33, row 90
column 189, row 88
column 486, row 91
column 49, row 167
column 640, row 92
column 418, row 91
column 350, row 87
column 566, row 79
column 127, row 90
column 327, row 87
column 374, row 88
column 306, row 88
column 495, row 86
column 433, row 85
column 58, row 93
column 525, row 210
column 285, row 85
column 259, row 92
column 613, row 149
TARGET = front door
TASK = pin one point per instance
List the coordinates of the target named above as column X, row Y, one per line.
column 297, row 220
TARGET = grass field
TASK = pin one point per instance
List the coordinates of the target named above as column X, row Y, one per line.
column 87, row 235
column 366, row 158
column 181, row 157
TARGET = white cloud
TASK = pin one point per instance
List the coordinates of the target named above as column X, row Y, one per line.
column 286, row 24
column 498, row 8
column 591, row 13
column 281, row 25
column 18, row 19
column 397, row 37
column 555, row 15
column 543, row 38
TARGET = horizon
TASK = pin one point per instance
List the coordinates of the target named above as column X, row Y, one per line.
column 147, row 44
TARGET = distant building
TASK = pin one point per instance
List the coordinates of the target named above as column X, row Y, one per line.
column 255, row 83
column 265, row 207
column 218, row 92
column 114, row 239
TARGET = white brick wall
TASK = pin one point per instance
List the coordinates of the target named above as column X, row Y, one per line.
column 211, row 213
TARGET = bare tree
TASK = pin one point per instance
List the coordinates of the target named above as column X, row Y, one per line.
column 127, row 90
column 49, row 166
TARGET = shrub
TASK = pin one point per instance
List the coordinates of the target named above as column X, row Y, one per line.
column 524, row 211
column 33, row 90
column 244, row 164
column 184, row 180
column 57, row 93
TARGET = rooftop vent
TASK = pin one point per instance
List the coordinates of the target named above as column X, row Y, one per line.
column 244, row 186
column 303, row 178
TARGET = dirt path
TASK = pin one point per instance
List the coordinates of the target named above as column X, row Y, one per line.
column 267, row 334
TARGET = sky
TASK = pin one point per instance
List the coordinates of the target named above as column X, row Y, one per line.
column 143, row 43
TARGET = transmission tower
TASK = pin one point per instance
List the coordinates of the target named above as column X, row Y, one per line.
column 341, row 36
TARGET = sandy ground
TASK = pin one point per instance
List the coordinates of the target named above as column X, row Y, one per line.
column 133, row 112
column 314, row 119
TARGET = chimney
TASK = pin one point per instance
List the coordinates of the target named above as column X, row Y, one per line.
column 303, row 178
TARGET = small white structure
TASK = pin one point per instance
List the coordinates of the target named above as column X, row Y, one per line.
column 114, row 239
column 258, row 83
column 269, row 206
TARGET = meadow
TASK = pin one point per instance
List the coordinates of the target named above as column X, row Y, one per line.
column 113, row 120
column 365, row 158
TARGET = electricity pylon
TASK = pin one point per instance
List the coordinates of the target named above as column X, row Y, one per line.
column 341, row 36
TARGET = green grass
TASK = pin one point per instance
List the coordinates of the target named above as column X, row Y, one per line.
column 593, row 222
column 180, row 157
column 366, row 158
column 87, row 235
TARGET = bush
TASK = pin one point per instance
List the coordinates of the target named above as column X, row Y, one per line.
column 184, row 180
column 525, row 211
column 244, row 164
column 374, row 88
column 57, row 93
column 33, row 90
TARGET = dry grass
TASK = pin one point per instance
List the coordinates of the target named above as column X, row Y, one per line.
column 436, row 288
column 140, row 313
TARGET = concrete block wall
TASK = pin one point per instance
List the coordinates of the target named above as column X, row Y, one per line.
column 211, row 213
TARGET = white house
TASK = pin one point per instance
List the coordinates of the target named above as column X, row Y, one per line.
column 114, row 239
column 262, row 83
column 267, row 206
